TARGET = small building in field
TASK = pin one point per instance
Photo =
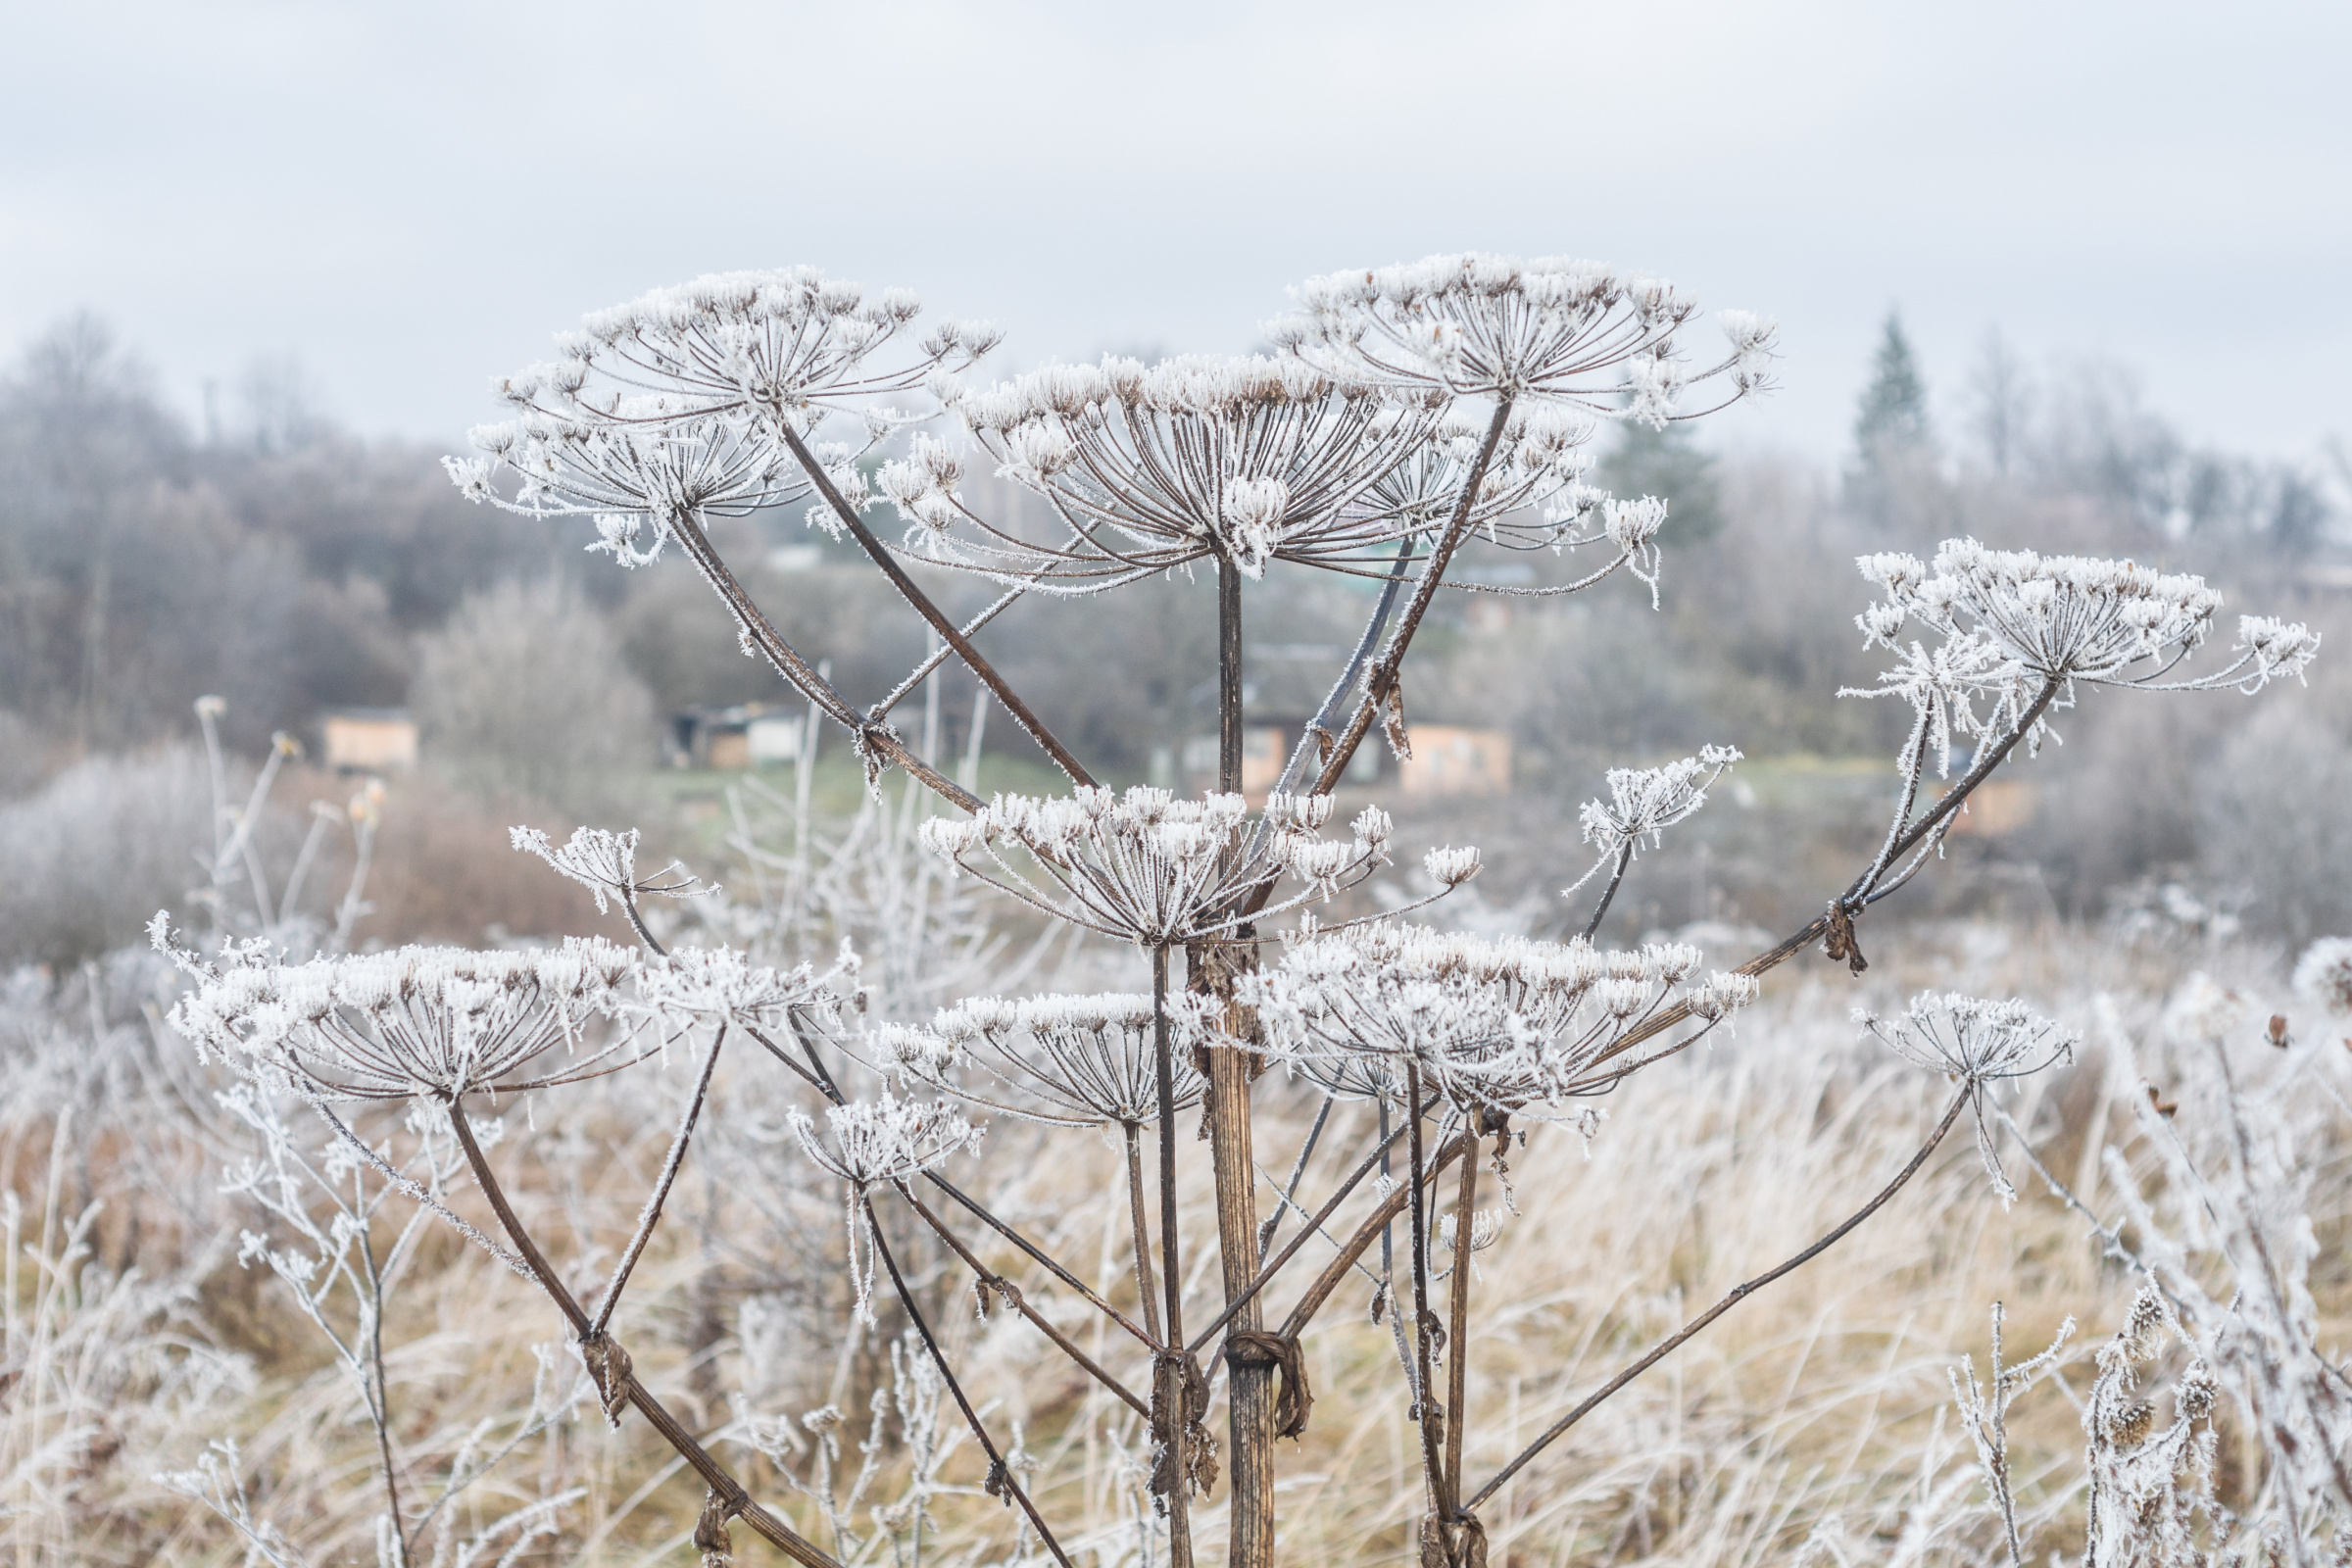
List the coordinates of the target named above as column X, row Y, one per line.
column 736, row 737
column 1265, row 751
column 1994, row 808
column 1446, row 759
column 367, row 740
column 1455, row 759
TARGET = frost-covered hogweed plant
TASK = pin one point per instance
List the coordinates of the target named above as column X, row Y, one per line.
column 1407, row 414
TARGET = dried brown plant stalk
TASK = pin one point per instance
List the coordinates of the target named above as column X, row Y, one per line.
column 1477, row 378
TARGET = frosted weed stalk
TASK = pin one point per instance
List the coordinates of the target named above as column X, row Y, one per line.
column 2215, row 1193
column 1409, row 413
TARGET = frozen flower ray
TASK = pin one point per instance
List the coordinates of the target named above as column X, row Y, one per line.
column 1507, row 1023
column 1066, row 1060
column 1152, row 869
column 1979, row 1042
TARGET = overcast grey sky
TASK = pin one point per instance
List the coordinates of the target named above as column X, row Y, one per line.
column 411, row 197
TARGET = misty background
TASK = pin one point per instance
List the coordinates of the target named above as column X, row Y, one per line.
column 2062, row 280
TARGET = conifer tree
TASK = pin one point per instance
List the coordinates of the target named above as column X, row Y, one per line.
column 1893, row 413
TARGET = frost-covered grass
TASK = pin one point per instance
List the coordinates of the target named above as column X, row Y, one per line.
column 1816, row 1413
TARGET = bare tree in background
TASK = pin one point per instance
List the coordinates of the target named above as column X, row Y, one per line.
column 525, row 692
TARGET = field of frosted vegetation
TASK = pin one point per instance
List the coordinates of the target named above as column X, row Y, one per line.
column 186, row 1300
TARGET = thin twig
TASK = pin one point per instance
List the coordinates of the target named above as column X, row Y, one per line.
column 1738, row 1293
column 1373, row 1228
column 1625, row 857
column 1381, row 685
column 1020, row 1303
column 651, row 1215
column 1290, row 1191
column 1813, row 930
column 1314, row 1227
column 998, row 1468
column 739, row 1502
column 380, row 1396
column 947, row 629
column 1141, row 1229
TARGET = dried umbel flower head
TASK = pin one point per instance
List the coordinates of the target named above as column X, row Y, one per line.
column 605, row 863
column 1152, row 869
column 690, row 986
column 869, row 1142
column 1152, row 468
column 1979, row 1042
column 2013, row 623
column 684, row 404
column 1506, row 1022
column 436, row 1021
column 1971, row 1038
column 1644, row 802
column 1531, row 496
column 2325, row 973
column 1498, row 326
column 1068, row 1061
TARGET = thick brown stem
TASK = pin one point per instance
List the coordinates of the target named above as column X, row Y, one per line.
column 1232, row 1157
column 737, row 1502
column 1425, row 1404
column 1167, row 1372
column 1144, row 1286
column 1249, row 1390
column 1229, row 675
column 1458, row 1366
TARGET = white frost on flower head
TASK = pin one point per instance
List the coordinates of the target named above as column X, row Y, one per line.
column 643, row 464
column 1979, row 1042
column 2013, row 622
column 922, row 484
column 605, row 863
column 1530, row 496
column 2325, row 973
column 675, row 407
column 1067, row 1060
column 436, row 1021
column 690, row 986
column 1751, row 338
column 1644, row 802
column 1488, row 327
column 1247, row 460
column 1152, row 869
column 873, row 1143
column 1503, row 1022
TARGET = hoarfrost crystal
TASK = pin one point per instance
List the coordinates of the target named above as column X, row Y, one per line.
column 875, row 1143
column 1509, row 1023
column 1076, row 1060
column 438, row 1021
column 1154, row 869
column 1979, row 1042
